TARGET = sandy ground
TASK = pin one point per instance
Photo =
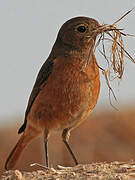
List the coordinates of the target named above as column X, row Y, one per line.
column 94, row 171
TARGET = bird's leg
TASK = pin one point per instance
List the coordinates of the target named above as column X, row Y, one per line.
column 65, row 137
column 46, row 134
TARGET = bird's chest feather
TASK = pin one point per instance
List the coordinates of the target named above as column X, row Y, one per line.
column 69, row 94
column 74, row 83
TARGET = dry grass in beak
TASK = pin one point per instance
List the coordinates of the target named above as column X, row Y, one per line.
column 115, row 62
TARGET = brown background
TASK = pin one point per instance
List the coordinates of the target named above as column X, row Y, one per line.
column 104, row 136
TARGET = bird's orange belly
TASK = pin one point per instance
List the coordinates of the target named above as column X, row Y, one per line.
column 64, row 102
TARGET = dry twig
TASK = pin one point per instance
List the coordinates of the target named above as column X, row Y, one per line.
column 115, row 63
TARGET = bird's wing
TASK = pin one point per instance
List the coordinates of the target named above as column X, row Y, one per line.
column 43, row 75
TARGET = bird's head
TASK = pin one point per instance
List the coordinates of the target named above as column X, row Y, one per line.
column 78, row 33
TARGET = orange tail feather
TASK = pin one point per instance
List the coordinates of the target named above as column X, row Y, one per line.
column 17, row 150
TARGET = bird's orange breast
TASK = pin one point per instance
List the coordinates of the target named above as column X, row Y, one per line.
column 67, row 97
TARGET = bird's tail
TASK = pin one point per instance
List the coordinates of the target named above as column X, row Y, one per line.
column 18, row 149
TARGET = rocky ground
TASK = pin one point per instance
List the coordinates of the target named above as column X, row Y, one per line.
column 94, row 171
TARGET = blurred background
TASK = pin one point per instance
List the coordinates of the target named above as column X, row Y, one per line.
column 28, row 30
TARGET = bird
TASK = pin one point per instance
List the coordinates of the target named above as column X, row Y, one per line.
column 66, row 89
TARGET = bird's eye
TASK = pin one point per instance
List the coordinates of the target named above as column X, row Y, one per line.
column 81, row 29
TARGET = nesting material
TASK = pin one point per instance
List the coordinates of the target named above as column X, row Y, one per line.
column 115, row 61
